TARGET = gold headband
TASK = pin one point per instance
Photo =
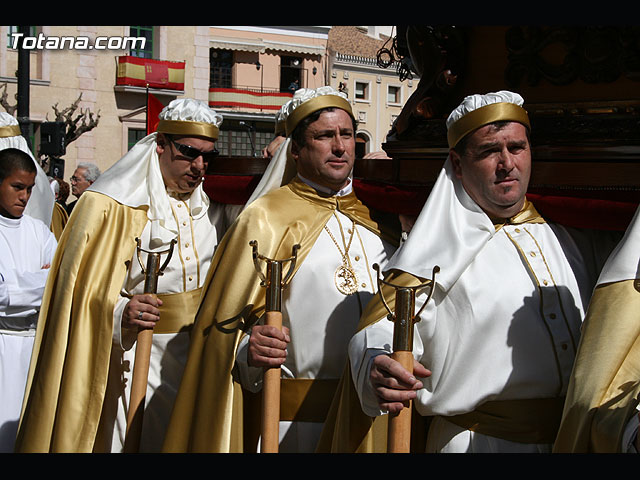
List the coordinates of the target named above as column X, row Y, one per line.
column 280, row 127
column 188, row 128
column 10, row 131
column 313, row 105
column 485, row 115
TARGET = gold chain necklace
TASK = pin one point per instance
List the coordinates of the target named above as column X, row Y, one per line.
column 345, row 276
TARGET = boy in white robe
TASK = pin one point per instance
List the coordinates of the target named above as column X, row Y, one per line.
column 27, row 247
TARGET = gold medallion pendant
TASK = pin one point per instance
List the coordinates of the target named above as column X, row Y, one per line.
column 345, row 276
column 346, row 280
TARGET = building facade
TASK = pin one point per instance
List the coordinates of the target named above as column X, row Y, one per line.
column 59, row 76
column 376, row 93
column 253, row 72
column 244, row 72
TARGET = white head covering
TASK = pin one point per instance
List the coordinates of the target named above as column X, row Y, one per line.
column 478, row 110
column 40, row 203
column 451, row 228
column 136, row 179
column 305, row 101
column 624, row 262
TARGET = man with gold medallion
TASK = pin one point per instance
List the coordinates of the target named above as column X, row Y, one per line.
column 306, row 199
column 495, row 344
column 78, row 392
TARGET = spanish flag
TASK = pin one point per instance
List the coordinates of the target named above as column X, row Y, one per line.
column 142, row 72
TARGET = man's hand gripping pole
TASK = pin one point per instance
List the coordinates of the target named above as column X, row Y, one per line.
column 274, row 283
column 135, row 414
column 399, row 430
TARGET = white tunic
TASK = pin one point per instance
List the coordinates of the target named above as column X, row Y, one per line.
column 186, row 271
column 321, row 320
column 26, row 246
column 507, row 329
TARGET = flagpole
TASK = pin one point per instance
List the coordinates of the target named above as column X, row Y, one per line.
column 146, row 99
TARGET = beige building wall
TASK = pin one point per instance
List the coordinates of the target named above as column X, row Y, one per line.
column 60, row 76
column 269, row 45
column 377, row 111
column 259, row 54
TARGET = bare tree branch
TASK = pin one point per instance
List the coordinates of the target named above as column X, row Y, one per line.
column 83, row 121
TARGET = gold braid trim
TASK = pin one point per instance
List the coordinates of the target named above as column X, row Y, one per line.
column 10, row 131
column 179, row 127
column 494, row 112
column 306, row 399
column 523, row 421
column 313, row 105
column 178, row 311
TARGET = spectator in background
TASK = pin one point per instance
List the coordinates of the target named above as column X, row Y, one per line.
column 85, row 174
column 63, row 193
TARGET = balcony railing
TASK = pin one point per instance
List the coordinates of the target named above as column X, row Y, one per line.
column 247, row 98
column 143, row 72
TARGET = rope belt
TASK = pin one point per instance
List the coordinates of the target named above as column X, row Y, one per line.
column 523, row 421
column 178, row 311
column 306, row 399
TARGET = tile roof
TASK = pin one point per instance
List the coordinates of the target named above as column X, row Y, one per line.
column 351, row 40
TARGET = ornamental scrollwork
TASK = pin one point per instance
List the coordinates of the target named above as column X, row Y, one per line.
column 562, row 55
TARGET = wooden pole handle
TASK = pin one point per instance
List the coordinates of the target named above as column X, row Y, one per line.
column 270, row 437
column 399, row 433
column 135, row 414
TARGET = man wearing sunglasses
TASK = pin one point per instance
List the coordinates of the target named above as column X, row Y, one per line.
column 187, row 168
column 82, row 367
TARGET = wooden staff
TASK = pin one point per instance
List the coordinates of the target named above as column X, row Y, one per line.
column 135, row 414
column 404, row 318
column 270, row 423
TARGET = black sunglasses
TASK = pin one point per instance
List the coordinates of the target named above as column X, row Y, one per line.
column 193, row 153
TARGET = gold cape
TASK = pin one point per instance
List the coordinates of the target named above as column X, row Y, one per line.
column 605, row 383
column 208, row 413
column 59, row 219
column 70, row 361
column 347, row 428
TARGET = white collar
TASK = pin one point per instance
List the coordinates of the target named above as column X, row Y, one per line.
column 10, row 222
